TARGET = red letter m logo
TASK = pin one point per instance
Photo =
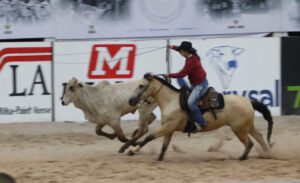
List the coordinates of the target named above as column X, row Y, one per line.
column 112, row 61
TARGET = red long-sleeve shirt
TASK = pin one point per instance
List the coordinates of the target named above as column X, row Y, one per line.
column 193, row 69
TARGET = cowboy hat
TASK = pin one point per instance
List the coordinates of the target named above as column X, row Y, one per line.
column 186, row 46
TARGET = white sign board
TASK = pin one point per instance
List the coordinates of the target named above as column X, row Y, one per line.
column 104, row 60
column 83, row 19
column 25, row 77
column 151, row 18
column 290, row 15
column 247, row 67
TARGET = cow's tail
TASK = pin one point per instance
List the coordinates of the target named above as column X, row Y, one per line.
column 263, row 109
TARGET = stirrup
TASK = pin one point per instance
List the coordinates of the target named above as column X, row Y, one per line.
column 198, row 127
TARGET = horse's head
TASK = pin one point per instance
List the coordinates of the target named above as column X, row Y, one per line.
column 70, row 91
column 147, row 87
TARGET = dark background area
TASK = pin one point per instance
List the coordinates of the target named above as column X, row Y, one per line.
column 290, row 73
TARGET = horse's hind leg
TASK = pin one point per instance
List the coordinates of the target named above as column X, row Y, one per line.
column 243, row 136
column 259, row 138
column 248, row 148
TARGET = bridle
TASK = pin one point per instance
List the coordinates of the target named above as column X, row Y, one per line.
column 161, row 85
column 141, row 93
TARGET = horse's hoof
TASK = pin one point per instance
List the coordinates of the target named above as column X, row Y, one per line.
column 131, row 153
column 160, row 159
column 242, row 158
column 122, row 150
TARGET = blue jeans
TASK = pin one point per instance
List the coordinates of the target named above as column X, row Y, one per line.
column 197, row 92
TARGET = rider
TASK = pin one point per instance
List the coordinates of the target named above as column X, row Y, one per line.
column 197, row 77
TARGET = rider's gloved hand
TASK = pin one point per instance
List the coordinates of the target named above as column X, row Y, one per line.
column 163, row 75
column 172, row 46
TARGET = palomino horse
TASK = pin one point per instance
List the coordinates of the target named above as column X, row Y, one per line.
column 238, row 113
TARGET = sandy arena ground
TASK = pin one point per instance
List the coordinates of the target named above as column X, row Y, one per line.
column 73, row 153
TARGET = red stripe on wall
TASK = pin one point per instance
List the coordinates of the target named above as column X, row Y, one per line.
column 21, row 50
column 25, row 58
column 29, row 58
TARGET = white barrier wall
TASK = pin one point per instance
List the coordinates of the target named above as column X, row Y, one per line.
column 25, row 77
column 96, row 61
column 248, row 67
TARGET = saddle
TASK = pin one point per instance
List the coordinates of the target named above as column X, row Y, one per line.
column 210, row 101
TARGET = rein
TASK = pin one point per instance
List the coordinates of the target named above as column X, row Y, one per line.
column 158, row 90
column 147, row 100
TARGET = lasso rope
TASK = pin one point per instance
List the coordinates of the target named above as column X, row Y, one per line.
column 142, row 53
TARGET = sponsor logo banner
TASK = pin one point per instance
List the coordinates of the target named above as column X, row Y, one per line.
column 114, row 61
column 25, row 72
column 246, row 67
column 144, row 18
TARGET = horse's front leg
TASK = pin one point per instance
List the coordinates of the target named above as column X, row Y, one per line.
column 166, row 130
column 102, row 133
column 138, row 133
column 135, row 136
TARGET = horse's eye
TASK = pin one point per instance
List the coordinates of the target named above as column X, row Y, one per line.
column 141, row 86
column 71, row 88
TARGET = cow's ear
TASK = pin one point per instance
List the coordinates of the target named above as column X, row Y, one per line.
column 80, row 85
column 74, row 80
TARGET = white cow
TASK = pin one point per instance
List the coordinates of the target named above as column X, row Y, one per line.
column 105, row 103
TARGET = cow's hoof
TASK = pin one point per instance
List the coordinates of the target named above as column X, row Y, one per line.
column 131, row 153
column 98, row 133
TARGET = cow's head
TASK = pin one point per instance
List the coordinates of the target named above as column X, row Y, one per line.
column 71, row 90
column 225, row 62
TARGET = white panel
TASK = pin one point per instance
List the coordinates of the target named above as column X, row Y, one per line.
column 152, row 18
column 73, row 59
column 248, row 67
column 71, row 19
column 290, row 15
column 25, row 77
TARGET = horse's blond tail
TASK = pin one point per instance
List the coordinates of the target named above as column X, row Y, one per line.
column 263, row 109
